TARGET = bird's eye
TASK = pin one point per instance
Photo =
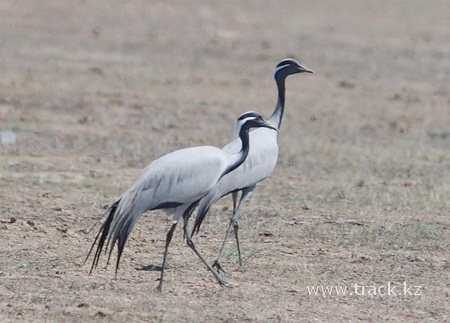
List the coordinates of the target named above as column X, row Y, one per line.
column 258, row 117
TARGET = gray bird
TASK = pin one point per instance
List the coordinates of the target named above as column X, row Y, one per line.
column 174, row 183
column 260, row 161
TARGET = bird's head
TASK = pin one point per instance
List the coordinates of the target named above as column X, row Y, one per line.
column 252, row 119
column 289, row 66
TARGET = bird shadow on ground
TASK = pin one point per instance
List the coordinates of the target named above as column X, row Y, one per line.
column 151, row 268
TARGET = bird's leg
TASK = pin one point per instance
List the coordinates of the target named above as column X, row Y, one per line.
column 246, row 192
column 190, row 243
column 236, row 228
column 168, row 239
column 186, row 216
column 216, row 264
column 234, row 225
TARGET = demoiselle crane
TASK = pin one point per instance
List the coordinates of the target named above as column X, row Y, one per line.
column 174, row 183
column 260, row 161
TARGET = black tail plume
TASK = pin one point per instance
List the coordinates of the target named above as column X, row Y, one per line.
column 101, row 236
column 199, row 220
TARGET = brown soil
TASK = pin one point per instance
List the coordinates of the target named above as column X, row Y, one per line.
column 95, row 90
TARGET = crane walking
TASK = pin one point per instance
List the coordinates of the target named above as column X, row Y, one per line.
column 175, row 183
column 259, row 164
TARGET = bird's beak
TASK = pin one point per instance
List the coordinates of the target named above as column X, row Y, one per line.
column 303, row 69
column 267, row 125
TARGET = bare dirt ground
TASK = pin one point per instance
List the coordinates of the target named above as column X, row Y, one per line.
column 95, row 90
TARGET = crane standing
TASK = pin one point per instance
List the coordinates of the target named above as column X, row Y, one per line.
column 259, row 164
column 175, row 183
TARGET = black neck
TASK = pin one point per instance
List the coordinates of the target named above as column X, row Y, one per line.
column 277, row 114
column 244, row 135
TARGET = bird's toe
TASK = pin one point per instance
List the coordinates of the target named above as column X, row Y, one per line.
column 226, row 283
column 216, row 264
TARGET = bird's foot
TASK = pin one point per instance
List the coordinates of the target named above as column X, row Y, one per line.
column 158, row 288
column 226, row 283
column 216, row 264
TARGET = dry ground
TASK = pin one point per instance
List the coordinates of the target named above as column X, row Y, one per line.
column 94, row 90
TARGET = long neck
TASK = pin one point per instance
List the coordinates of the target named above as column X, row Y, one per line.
column 277, row 115
column 243, row 153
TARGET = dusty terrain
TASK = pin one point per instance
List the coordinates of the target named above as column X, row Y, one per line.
column 95, row 90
